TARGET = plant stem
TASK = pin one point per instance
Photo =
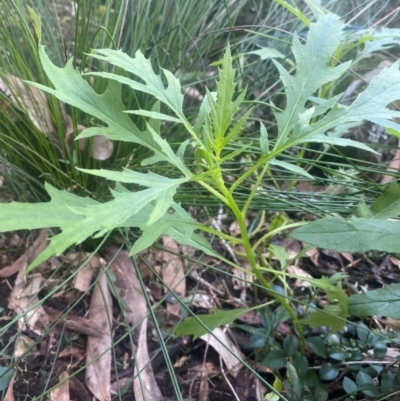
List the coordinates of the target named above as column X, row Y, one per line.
column 240, row 218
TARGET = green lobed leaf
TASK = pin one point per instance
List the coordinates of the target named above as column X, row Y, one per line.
column 323, row 105
column 180, row 226
column 266, row 53
column 80, row 218
column 223, row 109
column 370, row 105
column 101, row 218
column 71, row 88
column 353, row 235
column 171, row 95
column 381, row 302
column 154, row 115
column 264, row 144
column 31, row 216
column 332, row 140
column 291, row 167
column 312, row 71
column 149, row 180
column 381, row 39
column 297, row 125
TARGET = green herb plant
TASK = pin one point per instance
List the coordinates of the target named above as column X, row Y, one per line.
column 219, row 123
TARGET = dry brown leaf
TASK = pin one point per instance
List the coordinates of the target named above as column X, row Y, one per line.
column 313, row 254
column 173, row 273
column 296, row 270
column 121, row 384
column 242, row 279
column 23, row 346
column 98, row 371
column 204, row 386
column 70, row 130
column 348, row 256
column 76, row 323
column 77, row 390
column 127, row 281
column 10, row 390
column 292, row 247
column 251, row 317
column 395, row 261
column 23, row 299
column 38, row 246
column 230, row 361
column 61, row 392
column 84, row 277
column 145, row 387
column 73, row 352
column 102, row 147
column 30, row 100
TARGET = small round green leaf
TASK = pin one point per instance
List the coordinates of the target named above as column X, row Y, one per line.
column 390, row 382
column 337, row 354
column 334, row 340
column 362, row 332
column 357, row 355
column 317, row 345
column 366, row 384
column 310, row 379
column 349, row 386
column 300, row 362
column 328, row 371
column 275, row 359
column 380, row 350
column 290, row 345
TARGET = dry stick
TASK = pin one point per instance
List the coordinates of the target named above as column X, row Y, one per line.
column 227, row 380
column 385, row 17
column 123, row 23
column 362, row 11
column 202, row 368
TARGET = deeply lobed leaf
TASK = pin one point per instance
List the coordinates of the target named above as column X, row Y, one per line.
column 71, row 88
column 80, row 218
column 312, row 71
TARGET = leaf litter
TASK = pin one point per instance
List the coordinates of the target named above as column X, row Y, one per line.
column 98, row 359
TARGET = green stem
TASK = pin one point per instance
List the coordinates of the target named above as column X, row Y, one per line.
column 214, row 192
column 219, row 234
column 276, row 231
column 240, row 218
column 254, row 189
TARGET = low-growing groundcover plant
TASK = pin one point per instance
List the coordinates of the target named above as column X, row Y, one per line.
column 219, row 123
